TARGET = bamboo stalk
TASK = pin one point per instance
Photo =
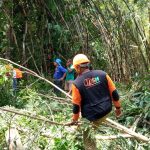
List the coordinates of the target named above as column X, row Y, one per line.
column 112, row 137
column 61, row 100
column 30, row 116
column 98, row 137
column 129, row 131
column 118, row 126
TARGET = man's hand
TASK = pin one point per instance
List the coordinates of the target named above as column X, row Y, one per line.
column 70, row 70
column 118, row 112
column 71, row 123
column 61, row 79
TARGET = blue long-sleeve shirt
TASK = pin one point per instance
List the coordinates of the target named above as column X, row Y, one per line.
column 59, row 72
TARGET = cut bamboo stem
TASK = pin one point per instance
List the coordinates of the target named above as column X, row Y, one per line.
column 30, row 116
column 61, row 101
column 112, row 137
column 13, row 139
column 129, row 131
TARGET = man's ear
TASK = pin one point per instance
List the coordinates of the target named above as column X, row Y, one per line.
column 77, row 68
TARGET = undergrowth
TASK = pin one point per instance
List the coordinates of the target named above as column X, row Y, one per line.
column 35, row 99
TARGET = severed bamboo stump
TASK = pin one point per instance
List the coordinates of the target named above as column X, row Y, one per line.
column 13, row 139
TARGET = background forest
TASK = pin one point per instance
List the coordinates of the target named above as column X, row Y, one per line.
column 114, row 34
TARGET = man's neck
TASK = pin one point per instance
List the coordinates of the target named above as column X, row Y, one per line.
column 85, row 70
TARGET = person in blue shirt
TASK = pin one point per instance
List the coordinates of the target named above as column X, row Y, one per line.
column 59, row 75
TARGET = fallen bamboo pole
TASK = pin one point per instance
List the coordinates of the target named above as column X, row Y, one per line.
column 98, row 137
column 112, row 137
column 63, row 100
column 118, row 126
column 30, row 116
column 129, row 131
column 122, row 128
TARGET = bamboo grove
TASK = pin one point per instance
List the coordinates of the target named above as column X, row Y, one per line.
column 112, row 31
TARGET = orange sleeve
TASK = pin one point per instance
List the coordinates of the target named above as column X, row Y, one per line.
column 76, row 100
column 113, row 92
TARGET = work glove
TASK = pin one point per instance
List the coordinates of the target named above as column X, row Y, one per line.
column 118, row 112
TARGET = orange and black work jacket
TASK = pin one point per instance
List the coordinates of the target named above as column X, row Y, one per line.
column 93, row 93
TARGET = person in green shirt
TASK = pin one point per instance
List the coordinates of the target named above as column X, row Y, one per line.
column 70, row 76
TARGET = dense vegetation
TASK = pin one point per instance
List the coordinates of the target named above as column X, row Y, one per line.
column 115, row 32
column 115, row 36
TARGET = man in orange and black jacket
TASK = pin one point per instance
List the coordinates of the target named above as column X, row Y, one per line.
column 93, row 92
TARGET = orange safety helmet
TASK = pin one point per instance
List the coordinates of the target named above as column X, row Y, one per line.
column 80, row 59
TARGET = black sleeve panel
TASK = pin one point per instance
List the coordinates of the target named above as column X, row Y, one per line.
column 115, row 95
column 76, row 108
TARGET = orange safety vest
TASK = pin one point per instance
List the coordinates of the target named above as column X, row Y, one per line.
column 18, row 73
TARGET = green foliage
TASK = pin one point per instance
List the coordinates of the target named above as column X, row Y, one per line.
column 112, row 33
column 101, row 61
column 5, row 87
column 3, row 142
column 46, row 136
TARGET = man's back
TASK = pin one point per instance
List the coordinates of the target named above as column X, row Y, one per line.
column 96, row 100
